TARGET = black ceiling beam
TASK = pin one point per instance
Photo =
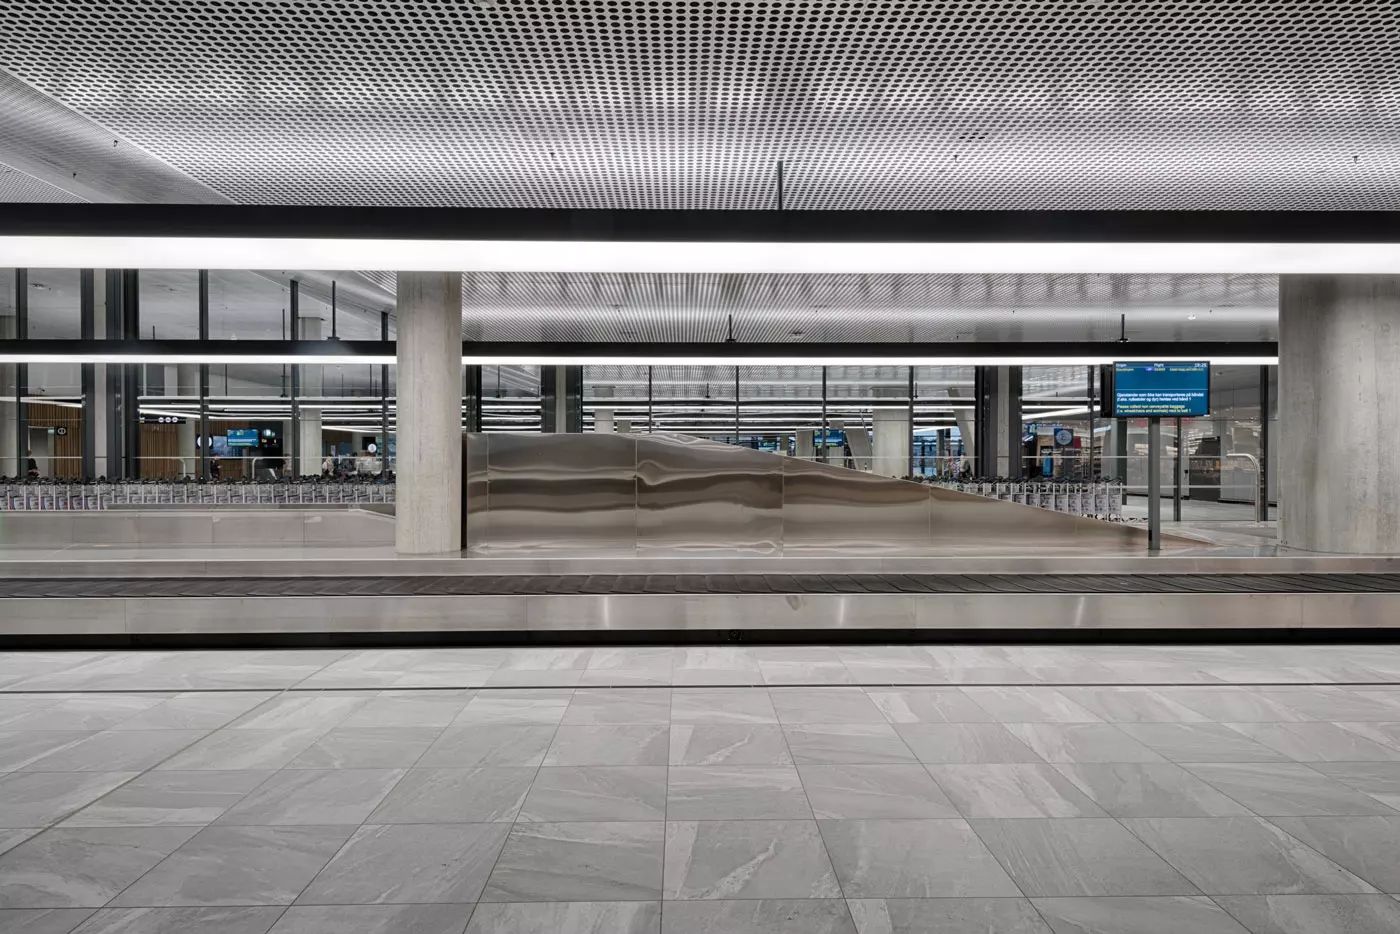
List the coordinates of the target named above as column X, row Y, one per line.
column 798, row 352
column 420, row 223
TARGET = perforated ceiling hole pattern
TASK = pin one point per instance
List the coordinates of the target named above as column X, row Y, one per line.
column 630, row 308
column 18, row 186
column 1244, row 104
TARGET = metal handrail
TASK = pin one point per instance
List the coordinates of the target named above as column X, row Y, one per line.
column 1261, row 508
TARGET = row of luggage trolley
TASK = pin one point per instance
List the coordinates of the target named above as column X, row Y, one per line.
column 1102, row 499
column 31, row 495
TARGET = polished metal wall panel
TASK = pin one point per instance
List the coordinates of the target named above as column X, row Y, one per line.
column 695, row 496
column 829, row 508
column 568, row 493
column 476, row 490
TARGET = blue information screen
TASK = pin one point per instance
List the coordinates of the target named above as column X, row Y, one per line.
column 242, row 437
column 1174, row 390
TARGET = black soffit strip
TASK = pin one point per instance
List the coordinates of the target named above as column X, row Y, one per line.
column 410, row 223
column 584, row 351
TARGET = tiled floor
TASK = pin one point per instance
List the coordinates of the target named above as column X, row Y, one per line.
column 725, row 790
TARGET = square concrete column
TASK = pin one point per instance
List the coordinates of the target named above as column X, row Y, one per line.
column 429, row 464
column 1339, row 392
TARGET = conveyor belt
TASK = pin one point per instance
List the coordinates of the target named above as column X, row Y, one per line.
column 672, row 584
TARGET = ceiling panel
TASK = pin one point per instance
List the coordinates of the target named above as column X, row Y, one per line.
column 928, row 104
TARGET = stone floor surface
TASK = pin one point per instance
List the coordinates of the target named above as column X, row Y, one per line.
column 702, row 790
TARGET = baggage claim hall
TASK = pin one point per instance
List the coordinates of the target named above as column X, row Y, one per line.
column 699, row 467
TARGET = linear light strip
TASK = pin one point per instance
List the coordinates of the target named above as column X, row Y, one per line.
column 1045, row 359
column 409, row 255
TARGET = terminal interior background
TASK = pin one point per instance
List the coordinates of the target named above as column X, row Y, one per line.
column 864, row 626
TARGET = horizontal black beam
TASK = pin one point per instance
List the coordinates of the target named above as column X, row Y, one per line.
column 417, row 223
column 581, row 351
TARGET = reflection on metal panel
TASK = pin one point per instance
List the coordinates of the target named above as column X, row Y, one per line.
column 828, row 507
column 561, row 493
column 703, row 496
column 660, row 494
column 476, row 502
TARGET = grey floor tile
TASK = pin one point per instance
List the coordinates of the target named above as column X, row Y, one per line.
column 747, row 859
column 946, row 916
column 853, row 792
column 1386, row 734
column 854, row 743
column 82, row 867
column 301, row 711
column 85, row 712
column 1380, row 780
column 1012, row 790
column 758, row 916
column 1242, row 856
column 409, row 864
column 1029, row 705
column 1149, row 915
column 1315, row 914
column 535, row 678
column 805, row 673
column 1084, row 856
column 238, row 866
column 927, row 705
column 546, row 659
column 1331, row 703
column 117, row 751
column 242, row 920
column 1132, row 705
column 11, row 837
column 723, row 678
column 582, row 861
column 450, row 796
column 825, row 705
column 597, row 793
column 571, row 917
column 1147, row 789
column 169, row 798
column 516, row 707
column 307, row 796
column 1201, row 742
column 735, row 793
column 368, row 748
column 20, row 749
column 722, row 705
column 41, row 920
column 373, row 919
column 436, row 709
column 1367, row 846
column 948, row 743
column 728, row 744
column 593, row 706
column 1286, row 789
column 243, row 749
column 1081, row 742
column 912, row 859
column 468, row 745
column 1318, row 742
column 1233, row 705
column 37, row 799
column 626, row 744
column 203, row 710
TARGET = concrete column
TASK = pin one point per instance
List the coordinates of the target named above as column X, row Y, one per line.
column 429, row 464
column 183, row 380
column 803, row 446
column 309, row 419
column 603, row 421
column 1339, row 390
column 967, row 430
column 891, row 457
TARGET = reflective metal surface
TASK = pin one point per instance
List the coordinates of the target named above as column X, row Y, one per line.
column 695, row 495
column 661, row 495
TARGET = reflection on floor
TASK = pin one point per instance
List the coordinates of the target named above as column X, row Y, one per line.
column 890, row 789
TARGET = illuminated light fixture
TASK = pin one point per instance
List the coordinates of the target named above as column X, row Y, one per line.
column 616, row 256
column 1048, row 358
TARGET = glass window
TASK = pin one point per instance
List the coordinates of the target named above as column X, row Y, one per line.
column 169, row 304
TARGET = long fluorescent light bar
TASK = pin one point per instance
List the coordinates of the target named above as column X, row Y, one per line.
column 1046, row 359
column 413, row 255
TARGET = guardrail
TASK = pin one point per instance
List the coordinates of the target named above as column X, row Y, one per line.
column 30, row 496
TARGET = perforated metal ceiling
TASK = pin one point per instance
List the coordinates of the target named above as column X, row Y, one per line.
column 632, row 308
column 1291, row 104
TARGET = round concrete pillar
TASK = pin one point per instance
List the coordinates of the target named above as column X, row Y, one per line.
column 1339, row 395
column 428, row 510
